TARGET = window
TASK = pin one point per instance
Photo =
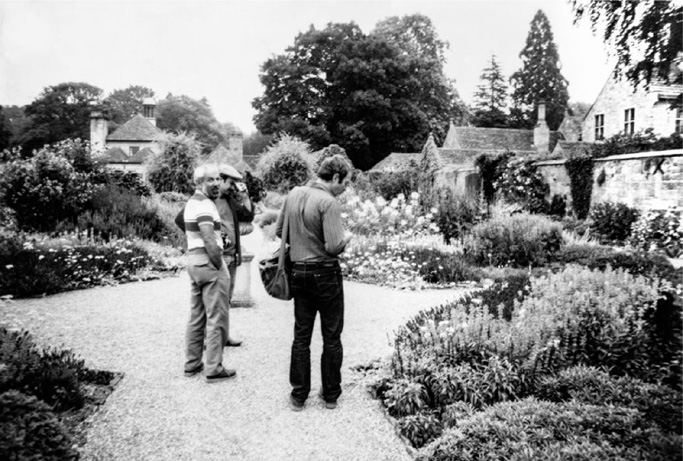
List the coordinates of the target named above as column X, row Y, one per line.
column 679, row 121
column 599, row 127
column 629, row 121
column 134, row 150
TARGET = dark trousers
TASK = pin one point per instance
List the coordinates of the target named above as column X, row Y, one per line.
column 317, row 289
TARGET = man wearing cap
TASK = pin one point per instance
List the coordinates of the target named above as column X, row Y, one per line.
column 234, row 206
column 209, row 280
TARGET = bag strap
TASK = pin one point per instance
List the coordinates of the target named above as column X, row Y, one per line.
column 285, row 232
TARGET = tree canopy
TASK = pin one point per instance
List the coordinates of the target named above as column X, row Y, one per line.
column 371, row 94
column 539, row 79
column 180, row 114
column 645, row 36
column 123, row 104
column 60, row 112
column 491, row 98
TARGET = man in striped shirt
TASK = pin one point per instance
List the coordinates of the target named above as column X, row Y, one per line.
column 209, row 279
column 316, row 238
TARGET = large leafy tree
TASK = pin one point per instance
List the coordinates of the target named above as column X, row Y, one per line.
column 183, row 114
column 370, row 94
column 125, row 103
column 646, row 36
column 539, row 79
column 491, row 97
column 60, row 112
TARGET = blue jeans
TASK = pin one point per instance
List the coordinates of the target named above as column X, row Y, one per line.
column 317, row 289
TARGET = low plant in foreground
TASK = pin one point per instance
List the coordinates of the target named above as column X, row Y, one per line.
column 660, row 230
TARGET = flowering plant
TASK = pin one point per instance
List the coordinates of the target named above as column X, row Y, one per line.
column 659, row 230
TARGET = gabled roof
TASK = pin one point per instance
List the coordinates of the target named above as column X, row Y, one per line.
column 141, row 155
column 494, row 139
column 251, row 161
column 115, row 154
column 137, row 128
column 396, row 161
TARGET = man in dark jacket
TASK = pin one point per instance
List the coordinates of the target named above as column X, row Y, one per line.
column 234, row 207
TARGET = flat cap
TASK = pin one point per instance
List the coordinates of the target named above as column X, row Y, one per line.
column 226, row 170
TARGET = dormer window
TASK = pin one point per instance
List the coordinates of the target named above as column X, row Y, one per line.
column 599, row 127
column 133, row 150
column 629, row 121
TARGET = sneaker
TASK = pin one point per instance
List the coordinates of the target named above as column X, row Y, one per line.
column 294, row 404
column 329, row 405
column 226, row 373
column 191, row 373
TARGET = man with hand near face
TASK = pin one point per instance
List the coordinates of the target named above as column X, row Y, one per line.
column 209, row 279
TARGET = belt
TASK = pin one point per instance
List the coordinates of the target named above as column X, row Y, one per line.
column 313, row 264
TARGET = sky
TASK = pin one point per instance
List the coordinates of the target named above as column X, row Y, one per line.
column 215, row 49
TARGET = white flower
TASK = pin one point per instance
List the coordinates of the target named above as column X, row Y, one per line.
column 41, row 257
column 414, row 196
column 9, row 266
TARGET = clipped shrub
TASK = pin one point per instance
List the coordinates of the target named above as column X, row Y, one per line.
column 29, row 430
column 534, row 430
column 437, row 267
column 456, row 214
column 391, row 184
column 659, row 230
column 612, row 221
column 519, row 240
column 659, row 404
column 286, row 164
column 558, row 206
column 171, row 169
column 580, row 171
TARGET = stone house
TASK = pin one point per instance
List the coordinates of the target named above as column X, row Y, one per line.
column 129, row 145
column 232, row 153
column 621, row 109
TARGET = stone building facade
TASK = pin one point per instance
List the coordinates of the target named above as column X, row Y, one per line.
column 621, row 109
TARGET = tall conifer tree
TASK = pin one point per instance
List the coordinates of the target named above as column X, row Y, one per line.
column 491, row 98
column 539, row 78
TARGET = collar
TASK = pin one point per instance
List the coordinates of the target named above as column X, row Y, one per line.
column 315, row 184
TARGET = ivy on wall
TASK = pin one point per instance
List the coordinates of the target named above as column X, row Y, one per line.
column 489, row 172
column 580, row 171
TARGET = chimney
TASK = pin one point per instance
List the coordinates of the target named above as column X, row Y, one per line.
column 541, row 131
column 148, row 110
column 236, row 145
column 98, row 130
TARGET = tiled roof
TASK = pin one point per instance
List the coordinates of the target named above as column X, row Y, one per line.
column 137, row 128
column 251, row 160
column 494, row 139
column 115, row 154
column 396, row 161
column 222, row 154
column 141, row 155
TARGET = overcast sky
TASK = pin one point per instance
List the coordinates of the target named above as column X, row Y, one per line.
column 214, row 49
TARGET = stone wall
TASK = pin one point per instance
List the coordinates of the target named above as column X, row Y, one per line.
column 461, row 179
column 648, row 180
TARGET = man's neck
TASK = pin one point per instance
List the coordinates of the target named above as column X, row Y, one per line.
column 324, row 184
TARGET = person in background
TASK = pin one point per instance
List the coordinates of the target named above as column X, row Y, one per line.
column 234, row 207
column 316, row 239
column 209, row 279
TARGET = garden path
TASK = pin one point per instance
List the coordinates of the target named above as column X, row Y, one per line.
column 155, row 413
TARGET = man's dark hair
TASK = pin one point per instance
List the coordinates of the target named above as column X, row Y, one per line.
column 334, row 165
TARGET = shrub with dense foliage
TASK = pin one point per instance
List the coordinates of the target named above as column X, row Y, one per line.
column 170, row 170
column 287, row 163
column 659, row 230
column 641, row 141
column 580, row 171
column 520, row 182
column 612, row 221
column 392, row 184
column 457, row 214
column 518, row 240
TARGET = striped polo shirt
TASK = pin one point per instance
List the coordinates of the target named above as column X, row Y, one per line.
column 201, row 210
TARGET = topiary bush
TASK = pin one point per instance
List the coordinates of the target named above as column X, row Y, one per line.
column 580, row 171
column 519, row 240
column 29, row 430
column 286, row 164
column 612, row 221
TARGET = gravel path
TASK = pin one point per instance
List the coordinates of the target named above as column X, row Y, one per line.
column 156, row 413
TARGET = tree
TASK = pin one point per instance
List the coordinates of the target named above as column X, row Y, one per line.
column 171, row 170
column 256, row 142
column 60, row 112
column 370, row 94
column 182, row 114
column 287, row 163
column 16, row 121
column 124, row 104
column 491, row 98
column 539, row 79
column 5, row 131
column 646, row 36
